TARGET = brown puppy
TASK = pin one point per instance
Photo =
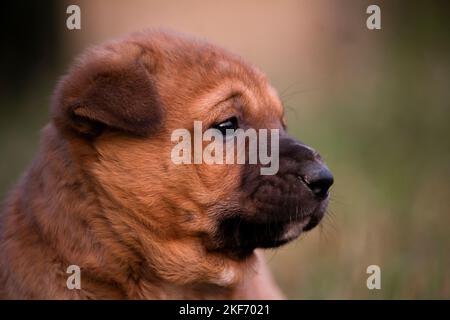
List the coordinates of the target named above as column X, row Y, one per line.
column 104, row 194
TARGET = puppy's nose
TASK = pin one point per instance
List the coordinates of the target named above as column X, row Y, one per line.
column 318, row 178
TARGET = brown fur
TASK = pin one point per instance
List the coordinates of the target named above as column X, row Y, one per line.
column 103, row 193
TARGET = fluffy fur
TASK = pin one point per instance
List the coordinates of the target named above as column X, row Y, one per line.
column 103, row 194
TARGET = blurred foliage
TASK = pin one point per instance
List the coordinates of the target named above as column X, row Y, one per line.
column 388, row 146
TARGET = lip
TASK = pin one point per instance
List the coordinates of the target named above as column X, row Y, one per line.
column 239, row 236
column 303, row 180
column 301, row 218
column 293, row 230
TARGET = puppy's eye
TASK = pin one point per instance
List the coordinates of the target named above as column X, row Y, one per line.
column 229, row 124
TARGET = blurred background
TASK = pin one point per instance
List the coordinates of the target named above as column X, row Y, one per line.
column 375, row 103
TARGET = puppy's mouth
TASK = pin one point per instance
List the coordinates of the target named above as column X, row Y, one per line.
column 240, row 234
column 272, row 210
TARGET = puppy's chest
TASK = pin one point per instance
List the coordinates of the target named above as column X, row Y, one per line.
column 145, row 290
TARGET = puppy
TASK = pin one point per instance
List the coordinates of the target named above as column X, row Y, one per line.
column 103, row 193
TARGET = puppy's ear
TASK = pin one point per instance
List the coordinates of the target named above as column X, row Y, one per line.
column 108, row 88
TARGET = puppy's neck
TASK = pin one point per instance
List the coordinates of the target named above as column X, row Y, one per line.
column 71, row 220
column 164, row 266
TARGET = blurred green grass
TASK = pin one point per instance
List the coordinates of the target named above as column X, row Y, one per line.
column 388, row 146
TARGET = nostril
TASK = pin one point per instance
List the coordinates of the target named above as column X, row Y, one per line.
column 320, row 187
column 319, row 183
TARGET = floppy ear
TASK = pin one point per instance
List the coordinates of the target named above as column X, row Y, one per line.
column 108, row 88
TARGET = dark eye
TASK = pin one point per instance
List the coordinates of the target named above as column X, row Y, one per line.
column 229, row 124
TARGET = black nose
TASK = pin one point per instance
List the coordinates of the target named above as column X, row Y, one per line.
column 318, row 178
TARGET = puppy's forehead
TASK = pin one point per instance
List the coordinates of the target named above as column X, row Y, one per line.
column 229, row 76
column 208, row 74
column 257, row 99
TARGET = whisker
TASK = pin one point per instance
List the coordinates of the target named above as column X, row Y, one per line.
column 290, row 96
column 284, row 91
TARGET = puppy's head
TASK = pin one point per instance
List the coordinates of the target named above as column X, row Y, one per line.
column 122, row 101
